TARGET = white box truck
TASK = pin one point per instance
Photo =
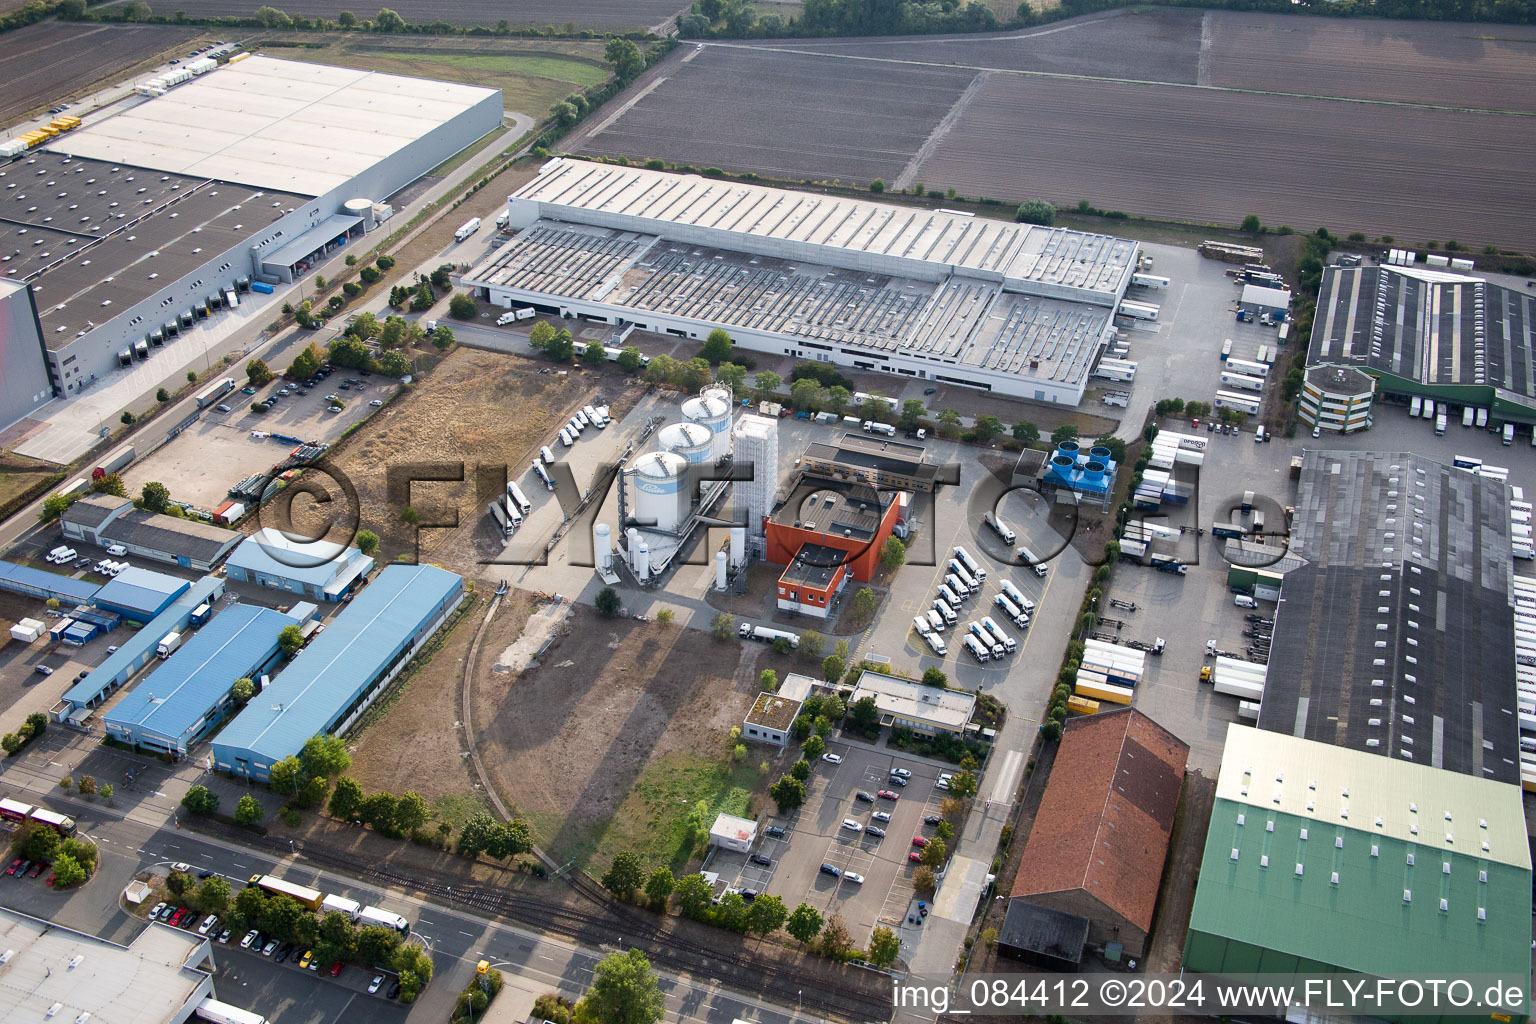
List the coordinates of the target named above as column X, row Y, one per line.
column 1440, row 423
column 506, row 318
column 936, row 644
column 168, row 644
column 518, row 498
column 935, row 619
column 467, row 229
column 547, row 454
column 921, row 624
column 341, row 905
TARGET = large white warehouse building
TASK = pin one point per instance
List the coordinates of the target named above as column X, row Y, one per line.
column 938, row 295
column 140, row 227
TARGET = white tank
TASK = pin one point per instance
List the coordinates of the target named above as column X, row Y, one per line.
column 642, row 562
column 692, row 441
column 631, row 542
column 738, row 546
column 712, row 409
column 362, row 209
column 602, row 546
column 660, row 484
column 722, row 566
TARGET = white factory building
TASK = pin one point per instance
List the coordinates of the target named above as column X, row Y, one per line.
column 136, row 229
column 931, row 294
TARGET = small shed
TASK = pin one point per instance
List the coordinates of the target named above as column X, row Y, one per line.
column 732, row 833
column 1259, row 299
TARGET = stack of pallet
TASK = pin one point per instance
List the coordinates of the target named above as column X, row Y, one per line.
column 1109, row 672
column 1229, row 252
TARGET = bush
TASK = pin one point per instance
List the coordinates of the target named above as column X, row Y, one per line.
column 1035, row 211
column 462, row 307
column 385, row 262
column 369, row 275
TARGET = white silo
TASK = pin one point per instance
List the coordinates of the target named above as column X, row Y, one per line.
column 642, row 562
column 602, row 545
column 660, row 484
column 692, row 441
column 712, row 410
column 757, row 447
column 738, row 546
column 631, row 544
column 722, row 566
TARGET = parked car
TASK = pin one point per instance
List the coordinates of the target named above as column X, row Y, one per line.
column 898, row 780
column 886, row 794
column 336, row 968
column 206, row 874
column 864, row 796
column 919, row 841
column 376, row 403
column 915, row 857
column 304, row 960
column 176, row 916
column 832, row 758
column 394, row 990
column 224, row 935
column 881, row 816
column 247, row 391
column 44, row 670
column 829, row 869
column 874, row 830
column 758, row 858
column 51, row 877
column 269, row 948
column 282, row 952
column 373, row 986
column 208, row 924
column 900, row 772
column 250, row 937
column 774, row 832
column 854, row 877
column 221, row 407
column 852, row 826
column 165, row 915
column 932, row 819
column 155, row 913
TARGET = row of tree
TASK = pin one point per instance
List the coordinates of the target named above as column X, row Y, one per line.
column 33, row 727
column 72, row 860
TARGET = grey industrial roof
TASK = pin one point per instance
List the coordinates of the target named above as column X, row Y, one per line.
column 1050, row 933
column 94, row 509
column 815, row 565
column 151, row 530
column 303, row 246
column 277, row 124
column 146, row 982
column 93, row 238
column 340, row 664
column 867, row 452
column 1396, row 636
column 1429, row 327
column 121, row 663
column 187, row 685
column 141, row 590
column 25, row 579
column 570, row 189
column 314, row 563
column 834, row 507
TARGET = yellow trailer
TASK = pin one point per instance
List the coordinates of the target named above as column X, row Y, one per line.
column 1083, row 705
column 1104, row 692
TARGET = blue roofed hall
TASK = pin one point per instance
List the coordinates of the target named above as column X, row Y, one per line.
column 344, row 668
column 134, row 652
column 190, row 692
column 140, row 594
column 23, row 579
column 321, row 570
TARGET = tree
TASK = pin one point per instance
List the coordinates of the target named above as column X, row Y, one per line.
column 732, row 376
column 625, row 58
column 788, row 793
column 178, row 882
column 346, row 19
column 624, row 877
column 477, row 834
column 835, row 939
column 213, row 896
column 877, row 186
column 393, row 364
column 934, row 853
column 306, row 363
column 766, row 915
column 388, row 21
column 864, row 715
column 964, row 785
column 67, row 872
column 411, row 812
column 242, row 690
column 106, row 792
column 71, row 10
column 54, row 506
column 987, row 427
column 565, row 114
column 462, row 307
column 127, row 417
column 934, row 676
column 815, row 746
column 837, row 398
column 629, row 359
column 258, row 373
column 717, row 346
column 693, row 894
column 1251, row 224
column 607, row 602
column 912, row 410
column 1026, row 432
column 1065, row 432
column 378, row 812
column 442, row 338
column 345, row 799
column 801, row 770
column 768, row 680
column 541, row 335
column 248, row 811
column 410, row 516
column 804, row 924
column 812, row 645
column 286, row 776
column 335, row 930
column 949, row 423
column 944, row 830
column 290, row 640
column 1035, row 211
column 893, row 554
column 561, row 347
column 162, row 396
column 723, row 625
column 923, row 880
column 864, row 603
column 665, row 616
column 10, row 743
column 659, row 887
column 155, row 497
column 766, row 384
column 83, row 850
column 624, row 989
column 832, row 668
column 592, row 354
column 367, row 542
column 201, row 800
column 42, row 844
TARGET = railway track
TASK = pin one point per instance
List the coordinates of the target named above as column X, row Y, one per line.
column 608, row 922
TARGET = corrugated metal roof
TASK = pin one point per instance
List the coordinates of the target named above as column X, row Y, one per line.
column 141, row 590
column 339, row 664
column 131, row 650
column 315, row 563
column 25, row 578
column 232, row 644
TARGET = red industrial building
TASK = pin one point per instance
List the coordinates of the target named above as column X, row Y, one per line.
column 852, row 518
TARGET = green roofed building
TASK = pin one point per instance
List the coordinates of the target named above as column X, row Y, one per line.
column 1321, row 859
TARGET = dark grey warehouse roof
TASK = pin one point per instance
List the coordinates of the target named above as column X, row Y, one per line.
column 168, row 534
column 84, row 232
column 1432, row 327
column 1397, row 635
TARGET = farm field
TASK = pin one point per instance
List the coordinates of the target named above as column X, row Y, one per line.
column 1483, row 67
column 42, row 64
column 598, row 14
column 1198, row 155
column 532, row 75
column 812, row 116
column 1153, row 45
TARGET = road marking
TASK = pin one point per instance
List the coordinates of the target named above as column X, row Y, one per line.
column 463, row 932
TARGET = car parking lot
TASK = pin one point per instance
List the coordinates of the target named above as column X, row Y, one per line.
column 285, row 992
column 814, row 835
column 230, row 445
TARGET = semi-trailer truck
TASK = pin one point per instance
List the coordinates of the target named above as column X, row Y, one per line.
column 762, row 634
column 1009, row 643
column 1002, row 529
column 1027, row 557
column 1017, row 596
column 971, row 565
column 467, row 229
